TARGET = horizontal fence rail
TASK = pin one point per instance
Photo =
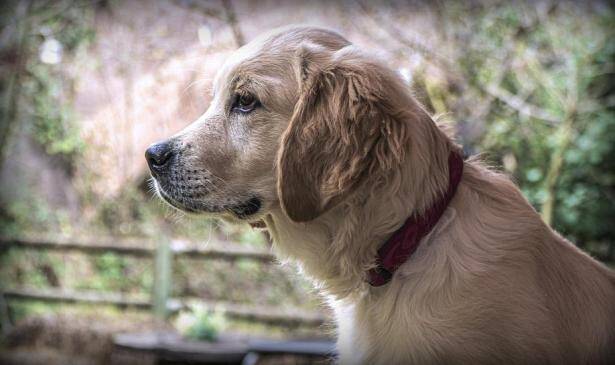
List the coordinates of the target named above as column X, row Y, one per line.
column 162, row 251
column 259, row 313
column 138, row 247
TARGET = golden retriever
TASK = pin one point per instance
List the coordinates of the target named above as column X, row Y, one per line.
column 327, row 146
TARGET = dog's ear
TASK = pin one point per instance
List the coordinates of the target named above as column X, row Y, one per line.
column 346, row 125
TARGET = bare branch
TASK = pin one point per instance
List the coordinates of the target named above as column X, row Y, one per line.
column 415, row 44
column 231, row 18
column 518, row 104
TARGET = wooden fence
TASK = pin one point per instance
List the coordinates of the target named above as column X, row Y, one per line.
column 162, row 251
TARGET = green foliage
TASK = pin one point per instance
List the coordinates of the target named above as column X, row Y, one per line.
column 46, row 96
column 52, row 119
column 29, row 309
column 72, row 26
column 125, row 213
column 118, row 273
column 30, row 268
column 111, row 271
column 559, row 139
column 201, row 323
column 33, row 214
column 43, row 269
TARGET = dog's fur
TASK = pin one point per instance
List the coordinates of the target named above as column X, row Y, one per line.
column 336, row 158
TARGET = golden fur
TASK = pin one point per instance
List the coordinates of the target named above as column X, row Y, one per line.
column 340, row 154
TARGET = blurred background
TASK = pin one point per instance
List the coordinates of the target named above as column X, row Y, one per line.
column 94, row 269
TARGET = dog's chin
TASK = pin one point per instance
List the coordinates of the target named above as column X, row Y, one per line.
column 175, row 204
column 248, row 210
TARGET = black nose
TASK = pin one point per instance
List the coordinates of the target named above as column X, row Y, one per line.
column 158, row 154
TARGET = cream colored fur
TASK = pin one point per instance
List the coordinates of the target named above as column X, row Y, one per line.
column 341, row 154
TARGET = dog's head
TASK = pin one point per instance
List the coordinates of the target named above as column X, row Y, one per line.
column 299, row 119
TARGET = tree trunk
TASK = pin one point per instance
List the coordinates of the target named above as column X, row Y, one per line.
column 18, row 49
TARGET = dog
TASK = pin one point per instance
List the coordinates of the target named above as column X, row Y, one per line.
column 424, row 257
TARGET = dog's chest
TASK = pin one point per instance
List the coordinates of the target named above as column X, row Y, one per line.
column 373, row 337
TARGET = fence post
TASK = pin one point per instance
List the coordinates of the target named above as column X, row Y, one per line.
column 5, row 319
column 163, row 272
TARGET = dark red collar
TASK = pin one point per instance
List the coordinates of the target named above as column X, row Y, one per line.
column 406, row 239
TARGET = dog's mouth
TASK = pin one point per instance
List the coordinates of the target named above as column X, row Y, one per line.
column 243, row 209
column 259, row 224
column 247, row 208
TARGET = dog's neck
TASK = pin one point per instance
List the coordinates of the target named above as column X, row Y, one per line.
column 402, row 244
column 338, row 248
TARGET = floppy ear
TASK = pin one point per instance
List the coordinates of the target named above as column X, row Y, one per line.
column 345, row 126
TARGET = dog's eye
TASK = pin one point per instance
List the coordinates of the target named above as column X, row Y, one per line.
column 245, row 103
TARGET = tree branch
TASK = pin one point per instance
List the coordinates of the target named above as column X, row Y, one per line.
column 415, row 44
column 9, row 115
column 518, row 104
column 231, row 18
